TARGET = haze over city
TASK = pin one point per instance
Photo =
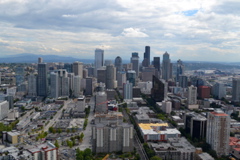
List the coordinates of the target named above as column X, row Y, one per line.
column 190, row 30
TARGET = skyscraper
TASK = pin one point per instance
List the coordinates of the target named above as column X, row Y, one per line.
column 42, row 83
column 156, row 63
column 68, row 67
column 159, row 89
column 127, row 90
column 99, row 59
column 236, row 90
column 32, row 85
column 167, row 67
column 146, row 57
column 78, row 69
column 54, row 85
column 218, row 131
column 76, row 86
column 180, row 69
column 118, row 64
column 121, row 78
column 192, row 97
column 110, row 74
column 131, row 77
column 135, row 62
column 219, row 90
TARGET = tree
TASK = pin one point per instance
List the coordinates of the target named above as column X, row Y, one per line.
column 87, row 152
column 155, row 158
column 56, row 144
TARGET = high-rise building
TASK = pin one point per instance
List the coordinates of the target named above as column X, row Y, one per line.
column 156, row 63
column 127, row 90
column 147, row 73
column 131, row 77
column 121, row 78
column 32, row 85
column 166, row 67
column 76, row 86
column 54, row 85
column 192, row 97
column 180, row 69
column 89, row 86
column 110, row 76
column 101, row 102
column 218, row 131
column 71, row 83
column 99, row 59
column 59, row 83
column 204, row 92
column 219, row 90
column 159, row 89
column 146, row 57
column 236, row 90
column 40, row 60
column 118, row 64
column 19, row 71
column 183, row 81
column 110, row 134
column 108, row 62
column 78, row 69
column 42, row 82
column 135, row 62
column 167, row 107
column 68, row 67
column 4, row 108
column 102, row 75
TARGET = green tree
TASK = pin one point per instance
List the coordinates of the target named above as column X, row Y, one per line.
column 56, row 144
column 155, row 158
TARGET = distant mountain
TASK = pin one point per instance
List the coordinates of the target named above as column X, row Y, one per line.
column 33, row 58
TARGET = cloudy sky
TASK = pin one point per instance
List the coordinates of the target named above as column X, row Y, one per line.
column 206, row 30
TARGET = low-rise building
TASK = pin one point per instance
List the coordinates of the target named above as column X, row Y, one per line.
column 174, row 149
column 157, row 132
column 14, row 137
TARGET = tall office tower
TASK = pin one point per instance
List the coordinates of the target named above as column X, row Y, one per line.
column 42, row 82
column 68, row 67
column 128, row 91
column 90, row 71
column 121, row 78
column 183, row 81
column 99, row 59
column 146, row 57
column 180, row 69
column 101, row 75
column 54, row 85
column 192, row 97
column 108, row 62
column 110, row 134
column 63, row 82
column 135, row 62
column 128, row 66
column 4, row 108
column 118, row 64
column 195, row 125
column 101, row 102
column 71, row 83
column 85, row 73
column 0, row 77
column 219, row 90
column 156, row 63
column 236, row 90
column 131, row 77
column 40, row 60
column 78, row 69
column 89, row 86
column 76, row 86
column 159, row 89
column 166, row 67
column 218, row 131
column 147, row 73
column 110, row 74
column 19, row 71
column 32, row 85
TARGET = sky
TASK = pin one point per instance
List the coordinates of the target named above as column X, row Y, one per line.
column 198, row 30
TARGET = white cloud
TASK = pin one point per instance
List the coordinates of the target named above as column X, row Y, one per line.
column 133, row 32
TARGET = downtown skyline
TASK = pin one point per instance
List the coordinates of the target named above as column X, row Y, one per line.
column 188, row 30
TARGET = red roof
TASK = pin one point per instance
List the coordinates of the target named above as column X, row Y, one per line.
column 219, row 114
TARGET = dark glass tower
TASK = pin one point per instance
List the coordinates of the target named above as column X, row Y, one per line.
column 156, row 63
column 118, row 64
column 42, row 83
column 180, row 69
column 135, row 62
column 146, row 60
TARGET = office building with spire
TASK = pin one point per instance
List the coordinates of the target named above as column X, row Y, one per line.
column 146, row 57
